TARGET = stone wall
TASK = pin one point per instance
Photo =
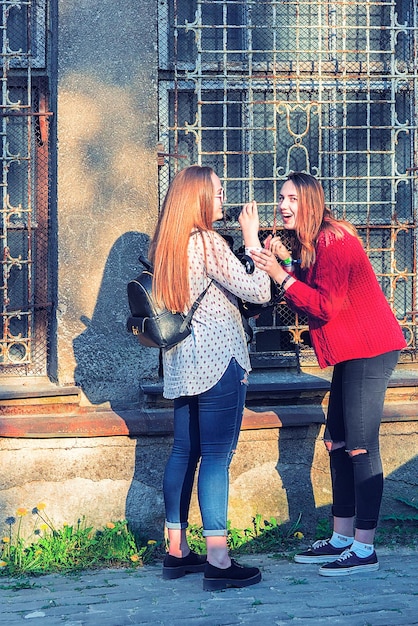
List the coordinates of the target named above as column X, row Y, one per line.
column 275, row 472
column 107, row 191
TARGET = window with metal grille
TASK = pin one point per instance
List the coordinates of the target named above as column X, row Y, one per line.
column 259, row 88
column 24, row 185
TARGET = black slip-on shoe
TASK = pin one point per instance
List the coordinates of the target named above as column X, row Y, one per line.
column 176, row 567
column 236, row 575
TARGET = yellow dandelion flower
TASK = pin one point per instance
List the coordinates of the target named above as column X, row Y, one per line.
column 110, row 525
column 299, row 535
column 21, row 512
column 44, row 526
column 151, row 542
column 3, row 564
column 135, row 558
column 6, row 540
column 41, row 506
column 38, row 552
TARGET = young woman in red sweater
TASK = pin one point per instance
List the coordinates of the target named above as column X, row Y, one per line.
column 353, row 329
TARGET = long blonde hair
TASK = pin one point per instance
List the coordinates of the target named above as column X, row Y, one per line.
column 187, row 207
column 314, row 217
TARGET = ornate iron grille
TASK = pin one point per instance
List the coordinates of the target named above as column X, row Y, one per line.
column 24, row 186
column 258, row 88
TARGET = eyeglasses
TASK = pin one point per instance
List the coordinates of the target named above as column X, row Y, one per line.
column 221, row 194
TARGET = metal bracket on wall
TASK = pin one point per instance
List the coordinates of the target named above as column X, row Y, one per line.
column 161, row 155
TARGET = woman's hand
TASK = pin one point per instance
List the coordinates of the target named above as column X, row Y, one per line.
column 277, row 247
column 250, row 223
column 265, row 260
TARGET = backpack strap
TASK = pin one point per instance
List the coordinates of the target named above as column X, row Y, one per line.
column 188, row 317
column 145, row 262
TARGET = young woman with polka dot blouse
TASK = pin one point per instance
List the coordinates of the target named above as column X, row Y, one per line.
column 206, row 374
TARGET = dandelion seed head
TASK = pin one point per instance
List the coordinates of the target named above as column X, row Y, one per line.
column 10, row 520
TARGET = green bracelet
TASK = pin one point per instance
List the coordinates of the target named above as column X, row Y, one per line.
column 287, row 262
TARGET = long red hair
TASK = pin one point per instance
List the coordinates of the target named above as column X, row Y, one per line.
column 313, row 217
column 187, row 207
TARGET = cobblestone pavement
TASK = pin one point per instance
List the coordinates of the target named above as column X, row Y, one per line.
column 289, row 593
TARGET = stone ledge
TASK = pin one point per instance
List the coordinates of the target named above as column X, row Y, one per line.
column 287, row 381
column 38, row 390
column 159, row 422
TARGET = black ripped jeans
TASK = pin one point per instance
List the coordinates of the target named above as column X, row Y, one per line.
column 355, row 411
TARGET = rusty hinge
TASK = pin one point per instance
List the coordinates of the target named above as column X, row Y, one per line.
column 161, row 154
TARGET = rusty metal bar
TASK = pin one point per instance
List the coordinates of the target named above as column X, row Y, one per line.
column 22, row 47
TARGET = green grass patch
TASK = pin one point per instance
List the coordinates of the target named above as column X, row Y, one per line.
column 47, row 549
column 70, row 548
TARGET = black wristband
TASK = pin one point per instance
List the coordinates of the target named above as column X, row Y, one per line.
column 282, row 284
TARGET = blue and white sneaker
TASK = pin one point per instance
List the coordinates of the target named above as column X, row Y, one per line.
column 349, row 563
column 320, row 552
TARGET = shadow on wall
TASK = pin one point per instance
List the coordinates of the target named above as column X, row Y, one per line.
column 110, row 362
column 294, row 466
column 303, row 474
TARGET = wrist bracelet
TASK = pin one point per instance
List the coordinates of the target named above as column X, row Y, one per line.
column 282, row 284
column 287, row 262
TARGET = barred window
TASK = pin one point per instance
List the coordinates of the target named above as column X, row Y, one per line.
column 259, row 88
column 24, row 185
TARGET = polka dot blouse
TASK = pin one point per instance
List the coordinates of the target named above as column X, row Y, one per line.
column 197, row 363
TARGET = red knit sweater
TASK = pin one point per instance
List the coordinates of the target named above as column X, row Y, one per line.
column 348, row 314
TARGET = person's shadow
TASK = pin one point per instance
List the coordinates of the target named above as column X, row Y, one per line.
column 295, row 465
column 111, row 364
column 110, row 361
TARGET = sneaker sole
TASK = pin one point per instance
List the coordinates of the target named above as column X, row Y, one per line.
column 170, row 573
column 358, row 569
column 316, row 559
column 216, row 584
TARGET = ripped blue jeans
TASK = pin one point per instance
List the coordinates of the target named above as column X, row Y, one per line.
column 206, row 427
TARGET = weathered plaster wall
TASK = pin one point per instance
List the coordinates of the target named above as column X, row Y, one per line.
column 275, row 472
column 107, row 189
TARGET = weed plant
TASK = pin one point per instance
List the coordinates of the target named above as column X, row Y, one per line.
column 400, row 528
column 71, row 548
column 262, row 536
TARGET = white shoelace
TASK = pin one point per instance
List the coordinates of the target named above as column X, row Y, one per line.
column 320, row 543
column 345, row 555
